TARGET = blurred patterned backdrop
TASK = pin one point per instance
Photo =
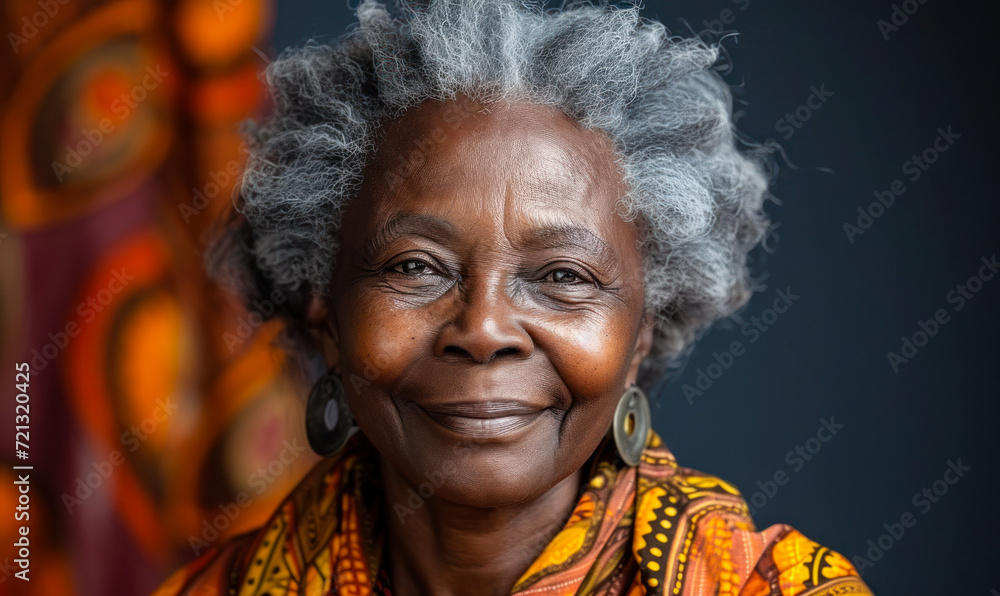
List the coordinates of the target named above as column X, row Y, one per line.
column 162, row 419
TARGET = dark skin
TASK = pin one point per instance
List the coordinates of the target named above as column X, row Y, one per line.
column 486, row 314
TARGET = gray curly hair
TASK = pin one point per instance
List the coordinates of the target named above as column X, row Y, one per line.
column 695, row 197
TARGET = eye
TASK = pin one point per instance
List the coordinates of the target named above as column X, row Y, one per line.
column 565, row 276
column 411, row 267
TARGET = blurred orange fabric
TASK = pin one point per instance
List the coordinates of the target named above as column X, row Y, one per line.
column 162, row 417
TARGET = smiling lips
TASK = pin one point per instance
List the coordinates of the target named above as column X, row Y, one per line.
column 483, row 419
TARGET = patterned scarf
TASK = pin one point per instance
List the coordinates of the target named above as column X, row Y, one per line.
column 656, row 528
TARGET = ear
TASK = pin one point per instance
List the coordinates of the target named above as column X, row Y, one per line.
column 323, row 329
column 643, row 344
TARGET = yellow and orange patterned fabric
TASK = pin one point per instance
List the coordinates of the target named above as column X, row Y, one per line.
column 656, row 528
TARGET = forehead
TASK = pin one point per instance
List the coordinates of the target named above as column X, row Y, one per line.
column 502, row 159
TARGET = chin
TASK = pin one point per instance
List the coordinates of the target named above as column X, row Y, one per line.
column 486, row 486
column 490, row 475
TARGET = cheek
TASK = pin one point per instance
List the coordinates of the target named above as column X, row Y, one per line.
column 591, row 356
column 376, row 341
column 375, row 349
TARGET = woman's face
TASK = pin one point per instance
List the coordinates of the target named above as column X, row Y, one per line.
column 487, row 299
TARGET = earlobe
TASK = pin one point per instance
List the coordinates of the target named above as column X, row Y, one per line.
column 643, row 345
column 323, row 329
column 316, row 312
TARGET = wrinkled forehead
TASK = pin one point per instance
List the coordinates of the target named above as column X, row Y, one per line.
column 507, row 150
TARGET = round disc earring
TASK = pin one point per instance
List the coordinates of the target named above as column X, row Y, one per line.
column 328, row 418
column 631, row 425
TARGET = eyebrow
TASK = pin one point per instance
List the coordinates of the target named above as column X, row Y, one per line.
column 551, row 236
column 568, row 236
column 402, row 224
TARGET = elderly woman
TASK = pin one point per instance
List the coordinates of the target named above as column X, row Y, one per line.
column 497, row 225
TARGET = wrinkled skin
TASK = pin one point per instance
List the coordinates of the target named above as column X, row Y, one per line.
column 486, row 314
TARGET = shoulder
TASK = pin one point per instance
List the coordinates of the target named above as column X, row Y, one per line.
column 694, row 535
column 280, row 543
column 716, row 548
column 791, row 564
column 208, row 574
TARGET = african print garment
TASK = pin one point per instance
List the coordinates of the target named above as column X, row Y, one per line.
column 653, row 529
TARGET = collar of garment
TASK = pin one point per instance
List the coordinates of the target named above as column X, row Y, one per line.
column 655, row 528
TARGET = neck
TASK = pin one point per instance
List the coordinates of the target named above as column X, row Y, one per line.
column 449, row 549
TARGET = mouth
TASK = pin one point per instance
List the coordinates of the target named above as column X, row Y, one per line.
column 483, row 420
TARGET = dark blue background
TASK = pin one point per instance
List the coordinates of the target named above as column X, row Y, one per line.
column 826, row 356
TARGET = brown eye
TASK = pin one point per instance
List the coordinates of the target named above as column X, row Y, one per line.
column 565, row 276
column 412, row 267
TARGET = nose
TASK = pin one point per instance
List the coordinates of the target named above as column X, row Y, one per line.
column 486, row 323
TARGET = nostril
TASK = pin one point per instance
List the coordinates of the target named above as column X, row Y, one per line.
column 453, row 349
